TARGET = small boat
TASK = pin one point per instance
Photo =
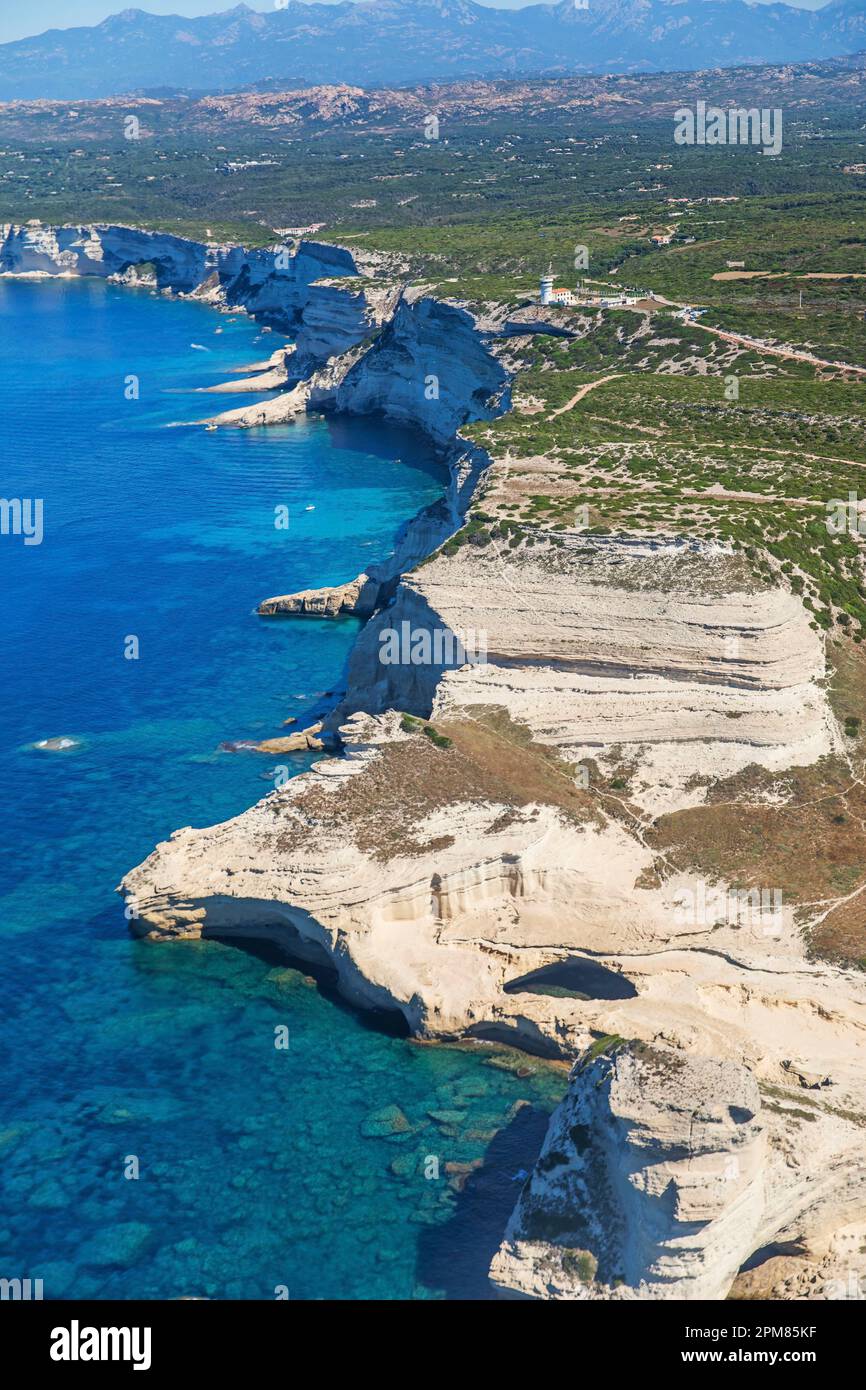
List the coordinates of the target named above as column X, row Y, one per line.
column 209, row 428
column 200, row 347
column 309, row 509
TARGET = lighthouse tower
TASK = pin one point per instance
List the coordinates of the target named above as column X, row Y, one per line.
column 547, row 287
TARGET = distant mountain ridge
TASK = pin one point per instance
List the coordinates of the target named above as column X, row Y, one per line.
column 404, row 42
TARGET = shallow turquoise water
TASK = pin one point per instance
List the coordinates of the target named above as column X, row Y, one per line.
column 258, row 1168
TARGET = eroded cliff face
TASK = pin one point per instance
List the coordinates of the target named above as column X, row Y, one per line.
column 419, row 361
column 456, row 879
column 662, row 1172
column 671, row 654
column 454, row 871
column 644, row 1166
column 105, row 250
column 337, row 317
column 274, row 284
column 362, row 345
column 540, row 823
column 430, row 368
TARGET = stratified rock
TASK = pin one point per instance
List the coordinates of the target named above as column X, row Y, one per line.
column 445, row 858
column 357, row 597
column 653, row 1168
column 293, row 743
column 273, row 283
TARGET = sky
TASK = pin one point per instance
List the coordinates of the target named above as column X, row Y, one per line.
column 20, row 21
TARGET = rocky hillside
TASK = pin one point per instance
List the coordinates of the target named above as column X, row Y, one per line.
column 617, row 100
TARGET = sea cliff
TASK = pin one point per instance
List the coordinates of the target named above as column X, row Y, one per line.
column 514, row 848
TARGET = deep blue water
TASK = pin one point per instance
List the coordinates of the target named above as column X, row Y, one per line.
column 258, row 1168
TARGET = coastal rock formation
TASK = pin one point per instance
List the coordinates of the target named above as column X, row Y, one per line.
column 271, row 378
column 650, row 1182
column 497, row 871
column 673, row 657
column 300, row 742
column 338, row 316
column 362, row 345
column 274, row 284
column 36, row 249
column 493, row 876
column 429, row 367
column 510, row 847
column 662, row 1172
column 357, row 597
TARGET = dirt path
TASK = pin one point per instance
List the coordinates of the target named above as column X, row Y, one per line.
column 790, row 354
column 584, row 391
column 798, row 454
column 788, row 275
column 740, row 339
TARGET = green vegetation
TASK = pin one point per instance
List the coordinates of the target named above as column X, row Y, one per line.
column 411, row 725
column 606, row 1046
column 580, row 1264
column 758, row 466
column 437, row 739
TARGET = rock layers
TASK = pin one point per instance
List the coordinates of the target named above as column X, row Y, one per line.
column 272, row 283
column 486, row 856
column 659, row 1176
column 354, row 597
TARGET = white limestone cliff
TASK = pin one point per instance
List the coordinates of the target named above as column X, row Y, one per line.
column 675, row 658
column 435, row 878
column 275, row 284
column 662, row 1172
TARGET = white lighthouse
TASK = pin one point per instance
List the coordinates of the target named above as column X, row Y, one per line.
column 547, row 287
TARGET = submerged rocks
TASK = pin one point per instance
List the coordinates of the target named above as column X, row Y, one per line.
column 385, row 1123
column 122, row 1245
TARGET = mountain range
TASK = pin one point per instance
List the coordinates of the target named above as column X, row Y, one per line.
column 402, row 42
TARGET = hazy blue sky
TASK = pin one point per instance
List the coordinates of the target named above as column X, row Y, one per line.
column 19, row 21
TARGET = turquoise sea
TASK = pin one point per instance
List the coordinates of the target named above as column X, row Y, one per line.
column 259, row 1170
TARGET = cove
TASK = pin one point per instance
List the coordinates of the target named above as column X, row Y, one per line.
column 259, row 1169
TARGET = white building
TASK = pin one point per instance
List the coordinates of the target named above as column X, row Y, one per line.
column 547, row 288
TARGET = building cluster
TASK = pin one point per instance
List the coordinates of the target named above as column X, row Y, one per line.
column 588, row 296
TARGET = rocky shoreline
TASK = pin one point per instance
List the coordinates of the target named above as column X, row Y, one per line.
column 492, row 825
